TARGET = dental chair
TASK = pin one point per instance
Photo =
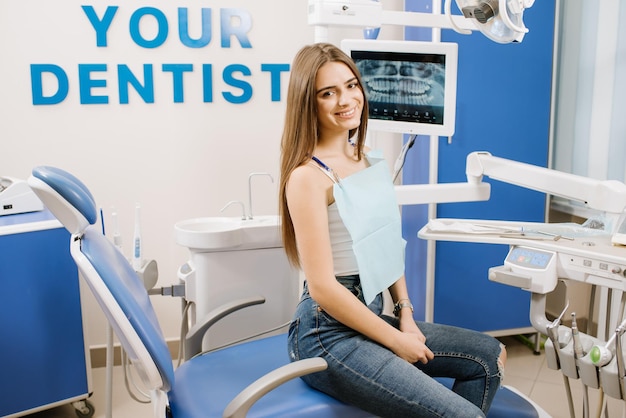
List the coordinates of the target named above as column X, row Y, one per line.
column 253, row 379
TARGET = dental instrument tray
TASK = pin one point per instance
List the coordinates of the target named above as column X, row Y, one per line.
column 540, row 253
column 16, row 196
column 619, row 236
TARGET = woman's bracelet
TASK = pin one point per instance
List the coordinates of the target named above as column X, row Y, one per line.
column 401, row 304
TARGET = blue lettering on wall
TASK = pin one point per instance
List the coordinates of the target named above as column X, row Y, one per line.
column 125, row 77
column 50, row 83
column 87, row 83
column 235, row 22
column 36, row 80
column 177, row 71
column 183, row 28
column 241, row 84
column 207, row 82
column 92, row 80
column 162, row 26
column 101, row 26
column 275, row 70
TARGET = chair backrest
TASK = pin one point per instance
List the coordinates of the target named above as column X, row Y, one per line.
column 115, row 285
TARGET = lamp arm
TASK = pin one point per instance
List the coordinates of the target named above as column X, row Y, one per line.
column 603, row 195
column 370, row 13
column 428, row 20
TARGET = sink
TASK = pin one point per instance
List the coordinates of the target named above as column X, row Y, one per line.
column 229, row 233
column 231, row 258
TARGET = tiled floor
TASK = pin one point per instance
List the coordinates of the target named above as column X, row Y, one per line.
column 525, row 371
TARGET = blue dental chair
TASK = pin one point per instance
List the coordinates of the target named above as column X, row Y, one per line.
column 253, row 379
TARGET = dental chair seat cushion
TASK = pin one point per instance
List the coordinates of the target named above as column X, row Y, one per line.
column 509, row 404
column 205, row 384
column 506, row 404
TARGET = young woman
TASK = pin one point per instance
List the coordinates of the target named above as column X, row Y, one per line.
column 341, row 225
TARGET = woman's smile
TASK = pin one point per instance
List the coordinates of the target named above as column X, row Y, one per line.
column 339, row 98
column 347, row 113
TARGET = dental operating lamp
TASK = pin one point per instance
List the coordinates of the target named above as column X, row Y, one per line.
column 499, row 20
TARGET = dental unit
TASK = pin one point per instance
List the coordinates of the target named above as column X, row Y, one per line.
column 537, row 261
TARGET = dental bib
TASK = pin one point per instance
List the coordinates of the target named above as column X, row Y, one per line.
column 367, row 204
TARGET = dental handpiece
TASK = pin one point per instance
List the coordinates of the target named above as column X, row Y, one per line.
column 553, row 331
column 578, row 346
column 601, row 355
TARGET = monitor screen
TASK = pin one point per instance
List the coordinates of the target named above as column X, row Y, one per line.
column 410, row 86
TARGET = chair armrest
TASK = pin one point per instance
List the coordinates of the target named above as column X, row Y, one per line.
column 239, row 406
column 193, row 339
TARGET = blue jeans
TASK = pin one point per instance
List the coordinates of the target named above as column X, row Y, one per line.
column 364, row 373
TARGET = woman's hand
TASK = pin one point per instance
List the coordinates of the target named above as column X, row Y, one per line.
column 408, row 325
column 411, row 343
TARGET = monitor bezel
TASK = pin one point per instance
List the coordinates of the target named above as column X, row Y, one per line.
column 448, row 49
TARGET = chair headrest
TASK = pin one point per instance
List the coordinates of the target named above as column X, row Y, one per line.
column 65, row 196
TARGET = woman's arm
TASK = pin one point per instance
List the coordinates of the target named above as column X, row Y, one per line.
column 308, row 194
column 399, row 293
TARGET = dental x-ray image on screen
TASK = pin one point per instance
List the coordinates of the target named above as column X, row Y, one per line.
column 404, row 90
column 410, row 86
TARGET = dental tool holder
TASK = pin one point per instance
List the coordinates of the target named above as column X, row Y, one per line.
column 565, row 360
column 148, row 273
column 592, row 376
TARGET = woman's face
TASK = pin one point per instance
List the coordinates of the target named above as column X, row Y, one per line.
column 339, row 98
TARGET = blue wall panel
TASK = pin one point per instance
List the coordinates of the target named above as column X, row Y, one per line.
column 503, row 106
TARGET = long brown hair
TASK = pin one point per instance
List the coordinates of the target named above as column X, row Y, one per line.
column 301, row 126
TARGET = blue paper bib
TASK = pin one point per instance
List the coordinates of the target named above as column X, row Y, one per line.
column 367, row 204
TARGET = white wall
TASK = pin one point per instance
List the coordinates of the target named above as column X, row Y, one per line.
column 178, row 160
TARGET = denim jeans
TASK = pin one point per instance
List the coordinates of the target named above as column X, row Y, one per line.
column 364, row 373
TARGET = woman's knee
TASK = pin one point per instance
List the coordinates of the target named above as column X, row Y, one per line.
column 502, row 356
column 501, row 362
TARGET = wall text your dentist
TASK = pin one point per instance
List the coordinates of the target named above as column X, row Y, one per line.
column 52, row 83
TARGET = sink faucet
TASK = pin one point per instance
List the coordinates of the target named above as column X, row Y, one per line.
column 232, row 202
column 250, row 189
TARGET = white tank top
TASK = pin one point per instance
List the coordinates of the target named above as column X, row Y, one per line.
column 344, row 261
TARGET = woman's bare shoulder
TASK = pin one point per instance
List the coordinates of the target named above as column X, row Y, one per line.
column 305, row 175
column 308, row 181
